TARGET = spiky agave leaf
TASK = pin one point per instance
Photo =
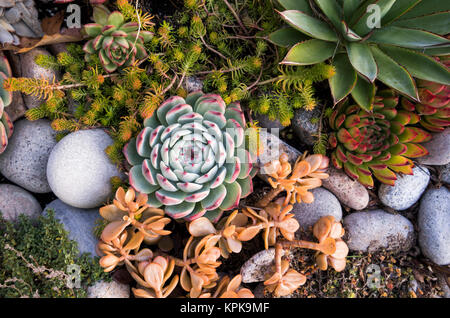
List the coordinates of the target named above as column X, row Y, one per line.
column 117, row 43
column 190, row 157
column 378, row 143
column 361, row 50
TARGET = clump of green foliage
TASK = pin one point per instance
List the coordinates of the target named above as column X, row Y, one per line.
column 34, row 256
column 225, row 45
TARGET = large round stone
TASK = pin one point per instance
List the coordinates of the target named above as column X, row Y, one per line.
column 434, row 225
column 79, row 171
column 406, row 191
column 25, row 160
column 325, row 203
column 371, row 231
column 15, row 201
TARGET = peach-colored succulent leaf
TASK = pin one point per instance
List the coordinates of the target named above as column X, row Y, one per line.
column 133, row 206
column 120, row 205
column 307, row 197
column 209, row 256
column 231, row 218
column 109, row 260
column 275, row 278
column 240, row 220
column 315, row 161
column 141, row 293
column 120, row 195
column 135, row 241
column 105, row 248
column 197, row 284
column 201, row 227
column 337, row 263
column 138, row 278
column 167, row 290
column 229, row 294
column 336, row 230
column 154, row 275
column 130, row 195
column 162, row 261
column 113, row 230
column 212, row 241
column 341, row 249
column 185, row 280
column 311, row 183
column 322, row 261
column 245, row 293
column 234, row 283
column 169, row 270
column 328, row 246
column 319, row 175
column 112, row 213
column 301, row 169
column 249, row 233
column 322, row 228
column 234, row 245
column 289, row 225
column 229, row 230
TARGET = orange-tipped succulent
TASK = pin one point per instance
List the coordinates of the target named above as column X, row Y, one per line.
column 127, row 209
column 276, row 221
column 378, row 143
column 118, row 250
column 306, row 174
column 327, row 228
column 232, row 288
column 152, row 276
column 285, row 280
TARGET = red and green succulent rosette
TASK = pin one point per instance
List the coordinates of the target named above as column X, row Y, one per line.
column 118, row 44
column 376, row 144
column 434, row 108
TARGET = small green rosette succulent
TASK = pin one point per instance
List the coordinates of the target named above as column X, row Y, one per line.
column 191, row 157
column 118, row 44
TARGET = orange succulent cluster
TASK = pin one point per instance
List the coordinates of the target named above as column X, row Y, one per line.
column 306, row 175
column 133, row 222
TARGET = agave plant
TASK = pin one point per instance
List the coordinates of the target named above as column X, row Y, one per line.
column 434, row 109
column 388, row 40
column 377, row 143
column 118, row 44
column 190, row 157
column 6, row 125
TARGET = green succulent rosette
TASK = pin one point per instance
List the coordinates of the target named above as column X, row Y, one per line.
column 118, row 44
column 191, row 157
column 6, row 125
column 389, row 40
column 378, row 143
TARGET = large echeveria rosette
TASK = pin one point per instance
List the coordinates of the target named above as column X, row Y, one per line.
column 118, row 44
column 191, row 157
column 378, row 143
